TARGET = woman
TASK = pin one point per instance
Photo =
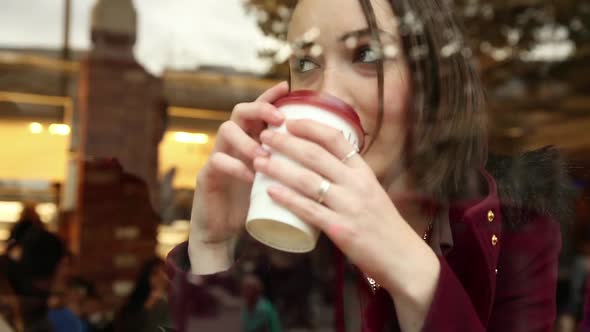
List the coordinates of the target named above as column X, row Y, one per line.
column 146, row 308
column 415, row 211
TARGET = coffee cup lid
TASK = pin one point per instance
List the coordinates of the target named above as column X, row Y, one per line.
column 328, row 103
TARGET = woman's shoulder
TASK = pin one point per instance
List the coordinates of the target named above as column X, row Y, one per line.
column 532, row 186
column 527, row 197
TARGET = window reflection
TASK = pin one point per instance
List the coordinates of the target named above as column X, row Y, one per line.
column 105, row 129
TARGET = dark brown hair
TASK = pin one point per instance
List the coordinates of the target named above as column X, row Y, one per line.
column 447, row 122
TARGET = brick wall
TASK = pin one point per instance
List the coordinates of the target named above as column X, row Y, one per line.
column 122, row 119
column 122, row 116
column 114, row 227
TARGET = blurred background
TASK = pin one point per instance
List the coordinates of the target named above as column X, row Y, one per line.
column 109, row 108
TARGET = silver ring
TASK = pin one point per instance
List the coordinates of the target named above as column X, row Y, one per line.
column 350, row 155
column 324, row 187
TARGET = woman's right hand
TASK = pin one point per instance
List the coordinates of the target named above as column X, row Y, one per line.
column 222, row 195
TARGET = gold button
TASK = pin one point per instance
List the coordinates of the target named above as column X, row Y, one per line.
column 494, row 240
column 491, row 216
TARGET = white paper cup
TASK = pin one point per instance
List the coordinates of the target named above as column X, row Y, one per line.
column 269, row 222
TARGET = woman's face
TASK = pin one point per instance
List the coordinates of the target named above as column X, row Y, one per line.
column 342, row 63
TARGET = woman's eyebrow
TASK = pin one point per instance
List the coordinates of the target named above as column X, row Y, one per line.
column 360, row 33
column 365, row 32
column 304, row 45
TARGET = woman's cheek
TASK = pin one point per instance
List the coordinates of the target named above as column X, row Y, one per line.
column 397, row 92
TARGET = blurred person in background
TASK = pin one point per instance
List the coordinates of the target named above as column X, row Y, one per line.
column 146, row 308
column 66, row 302
column 289, row 288
column 27, row 219
column 82, row 300
column 258, row 314
column 94, row 315
column 10, row 314
column 29, row 269
column 10, row 273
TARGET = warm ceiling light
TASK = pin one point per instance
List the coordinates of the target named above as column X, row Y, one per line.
column 59, row 129
column 184, row 137
column 36, row 128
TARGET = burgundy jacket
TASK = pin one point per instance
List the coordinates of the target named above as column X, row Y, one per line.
column 500, row 275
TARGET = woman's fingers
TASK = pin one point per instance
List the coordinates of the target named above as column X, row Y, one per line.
column 329, row 138
column 228, row 165
column 297, row 177
column 257, row 113
column 234, row 147
column 230, row 137
column 309, row 154
column 305, row 208
column 315, row 214
column 274, row 92
column 238, row 136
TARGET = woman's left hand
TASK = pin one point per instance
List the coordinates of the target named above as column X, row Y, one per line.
column 356, row 212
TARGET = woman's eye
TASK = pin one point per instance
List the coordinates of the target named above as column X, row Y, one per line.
column 366, row 55
column 305, row 65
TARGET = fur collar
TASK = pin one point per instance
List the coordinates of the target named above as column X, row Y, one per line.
column 535, row 182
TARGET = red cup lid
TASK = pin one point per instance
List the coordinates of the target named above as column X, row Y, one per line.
column 328, row 103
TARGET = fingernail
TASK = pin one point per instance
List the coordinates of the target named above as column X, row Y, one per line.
column 262, row 152
column 266, row 135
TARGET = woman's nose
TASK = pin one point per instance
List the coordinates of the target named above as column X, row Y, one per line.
column 333, row 83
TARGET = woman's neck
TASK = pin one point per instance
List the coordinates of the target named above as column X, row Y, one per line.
column 410, row 203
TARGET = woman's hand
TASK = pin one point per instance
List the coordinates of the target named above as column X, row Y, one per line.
column 223, row 187
column 357, row 214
